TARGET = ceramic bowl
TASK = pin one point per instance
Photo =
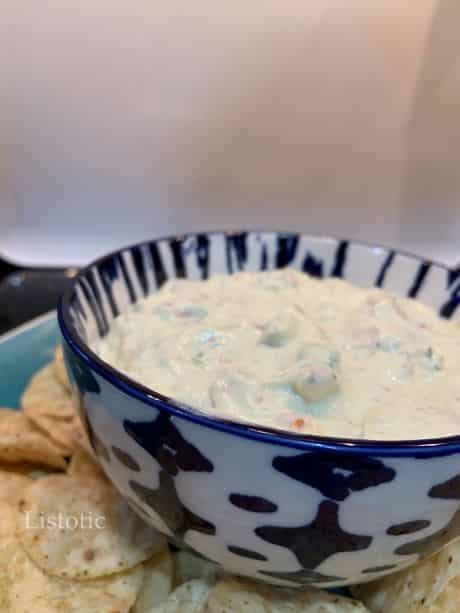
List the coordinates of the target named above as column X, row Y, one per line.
column 284, row 508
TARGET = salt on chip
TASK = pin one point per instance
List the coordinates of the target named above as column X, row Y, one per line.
column 84, row 466
column 21, row 441
column 29, row 589
column 190, row 597
column 189, row 566
column 82, row 530
column 46, row 396
column 158, row 582
column 60, row 371
column 244, row 596
column 415, row 588
column 12, row 486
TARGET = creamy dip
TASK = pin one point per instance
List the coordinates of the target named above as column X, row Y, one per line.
column 285, row 350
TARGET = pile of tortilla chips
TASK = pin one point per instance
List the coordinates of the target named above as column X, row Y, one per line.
column 70, row 543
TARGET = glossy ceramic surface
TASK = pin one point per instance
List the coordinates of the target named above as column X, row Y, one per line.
column 283, row 508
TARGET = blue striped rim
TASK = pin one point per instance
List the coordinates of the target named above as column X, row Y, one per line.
column 422, row 448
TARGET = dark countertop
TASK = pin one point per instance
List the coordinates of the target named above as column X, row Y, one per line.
column 26, row 293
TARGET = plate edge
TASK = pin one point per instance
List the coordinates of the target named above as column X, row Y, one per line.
column 32, row 323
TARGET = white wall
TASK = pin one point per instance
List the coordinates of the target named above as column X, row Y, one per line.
column 122, row 120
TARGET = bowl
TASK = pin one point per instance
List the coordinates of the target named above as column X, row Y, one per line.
column 284, row 508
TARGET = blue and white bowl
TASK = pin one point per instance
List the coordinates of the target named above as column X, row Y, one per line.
column 284, row 508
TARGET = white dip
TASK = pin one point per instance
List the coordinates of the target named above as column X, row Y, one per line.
column 285, row 350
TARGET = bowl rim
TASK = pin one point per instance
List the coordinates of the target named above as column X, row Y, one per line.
column 307, row 442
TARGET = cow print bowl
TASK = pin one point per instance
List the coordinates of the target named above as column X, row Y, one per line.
column 284, row 508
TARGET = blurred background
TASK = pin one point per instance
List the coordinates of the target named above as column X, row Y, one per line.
column 121, row 121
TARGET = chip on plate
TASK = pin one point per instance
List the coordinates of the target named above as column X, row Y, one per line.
column 415, row 588
column 25, row 468
column 448, row 601
column 45, row 395
column 21, row 441
column 83, row 466
column 49, row 405
column 157, row 584
column 189, row 566
column 29, row 590
column 82, row 530
column 7, row 523
column 244, row 596
column 81, row 440
column 190, row 597
column 60, row 371
column 12, row 486
column 63, row 432
column 7, row 527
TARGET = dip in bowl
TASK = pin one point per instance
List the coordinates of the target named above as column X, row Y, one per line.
column 279, row 425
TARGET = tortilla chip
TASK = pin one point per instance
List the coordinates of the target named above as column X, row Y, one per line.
column 61, row 432
column 32, row 590
column 60, row 371
column 24, row 468
column 82, row 530
column 7, row 528
column 21, row 442
column 82, row 441
column 189, row 566
column 5, row 556
column 158, row 581
column 415, row 588
column 12, row 486
column 38, row 473
column 190, row 597
column 47, row 397
column 49, row 405
column 241, row 596
column 448, row 601
column 7, row 522
column 83, row 465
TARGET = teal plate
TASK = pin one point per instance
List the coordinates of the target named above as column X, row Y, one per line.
column 22, row 352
